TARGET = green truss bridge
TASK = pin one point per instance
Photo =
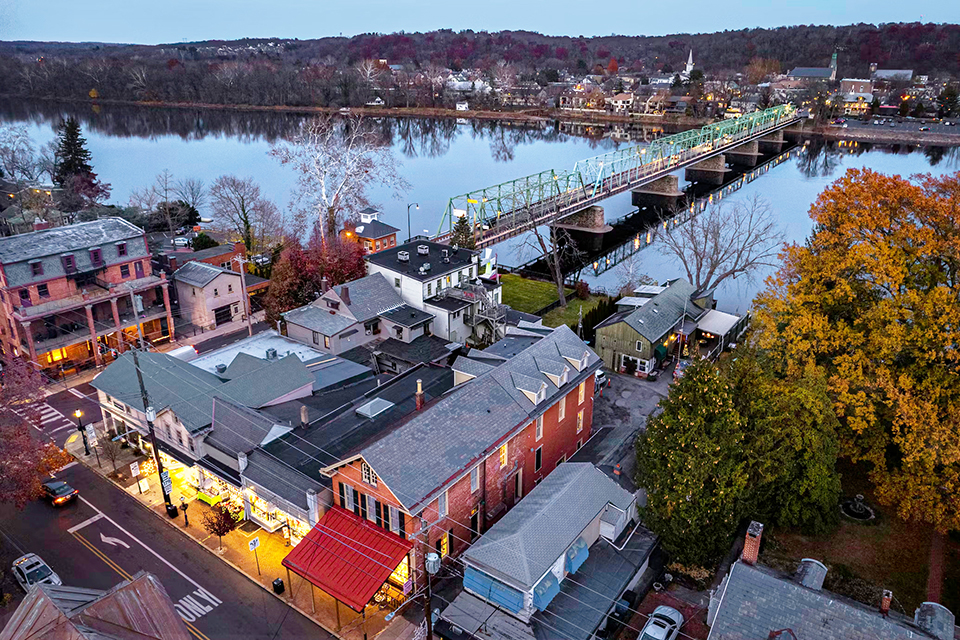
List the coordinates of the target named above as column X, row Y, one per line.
column 512, row 208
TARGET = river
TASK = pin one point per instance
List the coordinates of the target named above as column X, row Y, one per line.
column 440, row 159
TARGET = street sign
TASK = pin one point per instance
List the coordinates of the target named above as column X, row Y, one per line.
column 254, row 543
column 165, row 481
column 134, row 469
column 144, row 485
column 91, row 435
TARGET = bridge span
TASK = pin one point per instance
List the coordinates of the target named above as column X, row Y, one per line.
column 512, row 208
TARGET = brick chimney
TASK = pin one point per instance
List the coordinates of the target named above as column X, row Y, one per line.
column 885, row 601
column 419, row 394
column 751, row 544
column 345, row 294
column 324, row 284
column 304, row 416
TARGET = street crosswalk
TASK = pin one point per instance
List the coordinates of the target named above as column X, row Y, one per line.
column 52, row 421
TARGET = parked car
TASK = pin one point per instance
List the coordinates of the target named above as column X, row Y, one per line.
column 182, row 231
column 181, row 242
column 678, row 370
column 924, row 128
column 663, row 624
column 59, row 492
column 30, row 570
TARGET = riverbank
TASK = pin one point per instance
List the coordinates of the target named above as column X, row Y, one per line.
column 528, row 116
column 879, row 135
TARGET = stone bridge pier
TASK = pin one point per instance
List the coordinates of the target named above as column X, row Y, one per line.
column 662, row 193
column 710, row 171
column 772, row 143
column 794, row 132
column 586, row 227
column 746, row 155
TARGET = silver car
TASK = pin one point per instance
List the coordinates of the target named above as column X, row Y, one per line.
column 663, row 624
column 30, row 570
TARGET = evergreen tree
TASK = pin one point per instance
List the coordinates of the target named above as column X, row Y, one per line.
column 690, row 461
column 462, row 235
column 71, row 157
column 203, row 241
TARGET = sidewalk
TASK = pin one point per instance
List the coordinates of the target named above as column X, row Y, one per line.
column 262, row 567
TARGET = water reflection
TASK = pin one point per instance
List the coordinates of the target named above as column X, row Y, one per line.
column 819, row 158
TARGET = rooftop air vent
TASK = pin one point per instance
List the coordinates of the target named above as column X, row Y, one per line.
column 446, row 259
column 426, row 266
column 423, row 249
column 271, row 354
column 444, row 252
column 403, row 256
column 221, row 368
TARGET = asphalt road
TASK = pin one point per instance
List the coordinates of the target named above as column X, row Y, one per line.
column 892, row 124
column 107, row 536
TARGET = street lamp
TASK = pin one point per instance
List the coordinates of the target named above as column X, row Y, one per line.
column 412, row 204
column 183, row 507
column 432, row 564
column 86, row 446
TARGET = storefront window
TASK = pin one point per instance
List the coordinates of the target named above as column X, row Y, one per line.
column 401, row 574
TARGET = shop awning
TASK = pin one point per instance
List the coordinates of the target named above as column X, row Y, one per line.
column 347, row 556
column 179, row 456
column 660, row 353
column 222, row 471
column 576, row 555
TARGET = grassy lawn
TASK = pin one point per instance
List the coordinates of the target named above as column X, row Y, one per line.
column 528, row 296
column 561, row 316
column 861, row 559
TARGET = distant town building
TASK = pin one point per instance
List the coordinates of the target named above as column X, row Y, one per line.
column 890, row 75
column 816, row 73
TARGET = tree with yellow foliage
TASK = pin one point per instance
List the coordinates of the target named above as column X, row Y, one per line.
column 871, row 302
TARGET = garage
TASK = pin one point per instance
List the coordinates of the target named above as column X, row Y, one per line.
column 222, row 315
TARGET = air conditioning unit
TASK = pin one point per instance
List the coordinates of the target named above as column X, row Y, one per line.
column 426, row 266
column 403, row 256
column 271, row 354
column 423, row 249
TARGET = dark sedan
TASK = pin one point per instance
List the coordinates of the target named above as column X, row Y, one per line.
column 59, row 493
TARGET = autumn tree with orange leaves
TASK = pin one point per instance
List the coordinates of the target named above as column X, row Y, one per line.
column 872, row 302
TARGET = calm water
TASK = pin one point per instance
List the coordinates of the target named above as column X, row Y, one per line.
column 440, row 159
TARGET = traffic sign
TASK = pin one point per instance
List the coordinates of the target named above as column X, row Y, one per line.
column 165, row 481
column 254, row 543
column 91, row 435
column 134, row 469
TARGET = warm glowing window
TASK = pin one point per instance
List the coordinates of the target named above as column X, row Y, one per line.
column 401, row 574
column 581, row 392
column 443, row 545
column 580, row 421
column 56, row 355
column 503, row 455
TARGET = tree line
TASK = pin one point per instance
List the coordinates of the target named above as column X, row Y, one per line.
column 334, row 72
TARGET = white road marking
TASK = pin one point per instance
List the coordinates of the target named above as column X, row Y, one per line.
column 68, row 426
column 67, row 466
column 138, row 541
column 191, row 607
column 113, row 541
column 89, row 520
column 77, row 393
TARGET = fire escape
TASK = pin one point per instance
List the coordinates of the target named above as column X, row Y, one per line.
column 482, row 308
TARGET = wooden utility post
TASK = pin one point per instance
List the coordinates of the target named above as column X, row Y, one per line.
column 246, row 297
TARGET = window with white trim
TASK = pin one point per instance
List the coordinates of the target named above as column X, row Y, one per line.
column 346, row 496
column 539, row 427
column 580, row 421
column 368, row 474
column 542, row 393
column 371, row 508
column 538, row 459
column 475, row 478
column 394, row 519
column 562, row 408
column 581, row 392
column 565, row 375
column 442, row 505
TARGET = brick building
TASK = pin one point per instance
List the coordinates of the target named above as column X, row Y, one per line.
column 519, row 409
column 75, row 296
column 372, row 234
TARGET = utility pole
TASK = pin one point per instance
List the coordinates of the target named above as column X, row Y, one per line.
column 432, row 565
column 136, row 316
column 151, row 416
column 246, row 298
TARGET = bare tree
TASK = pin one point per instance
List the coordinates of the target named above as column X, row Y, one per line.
column 370, row 71
column 191, row 191
column 158, row 200
column 629, row 275
column 558, row 250
column 237, row 202
column 336, row 160
column 111, row 450
column 19, row 162
column 725, row 241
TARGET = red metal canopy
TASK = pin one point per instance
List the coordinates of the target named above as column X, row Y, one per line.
column 347, row 556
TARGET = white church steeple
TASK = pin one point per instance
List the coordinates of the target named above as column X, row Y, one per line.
column 689, row 63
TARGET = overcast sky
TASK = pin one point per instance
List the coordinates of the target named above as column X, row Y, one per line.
column 155, row 21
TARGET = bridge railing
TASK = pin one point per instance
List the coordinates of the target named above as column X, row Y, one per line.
column 537, row 196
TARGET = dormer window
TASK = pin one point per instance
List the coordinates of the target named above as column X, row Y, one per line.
column 564, row 376
column 333, row 304
column 36, row 268
column 542, row 394
column 96, row 257
column 69, row 264
column 121, row 249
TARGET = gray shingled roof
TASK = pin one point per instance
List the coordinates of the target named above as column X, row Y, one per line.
column 237, row 429
column 200, row 274
column 369, row 296
column 279, row 478
column 407, row 316
column 811, row 72
column 209, row 252
column 429, row 451
column 471, row 367
column 758, row 600
column 661, row 315
column 374, row 229
column 74, row 237
column 189, row 391
column 319, row 319
column 525, row 543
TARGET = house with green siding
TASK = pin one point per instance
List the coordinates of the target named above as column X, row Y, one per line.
column 653, row 325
